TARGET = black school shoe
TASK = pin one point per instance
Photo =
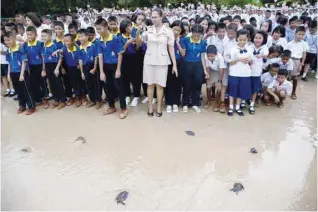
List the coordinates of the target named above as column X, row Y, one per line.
column 6, row 94
column 239, row 112
column 242, row 106
column 251, row 110
column 12, row 94
column 304, row 79
column 230, row 112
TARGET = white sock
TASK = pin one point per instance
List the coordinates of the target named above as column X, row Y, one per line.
column 304, row 74
column 8, row 90
column 231, row 107
column 237, row 107
column 252, row 104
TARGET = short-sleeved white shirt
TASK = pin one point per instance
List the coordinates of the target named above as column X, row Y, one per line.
column 257, row 65
column 289, row 66
column 240, row 69
column 267, row 79
column 286, row 86
column 280, row 42
column 227, row 49
column 218, row 43
column 217, row 64
column 297, row 48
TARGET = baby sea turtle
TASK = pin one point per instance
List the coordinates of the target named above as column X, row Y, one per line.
column 121, row 197
column 81, row 139
column 190, row 133
column 26, row 149
column 253, row 151
column 237, row 188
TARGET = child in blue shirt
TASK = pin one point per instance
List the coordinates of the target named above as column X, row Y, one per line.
column 71, row 55
column 88, row 63
column 110, row 59
column 194, row 67
column 33, row 49
column 20, row 77
column 53, row 75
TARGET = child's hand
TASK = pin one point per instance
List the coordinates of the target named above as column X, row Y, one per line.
column 206, row 75
column 259, row 56
column 117, row 74
column 102, row 77
column 21, row 78
column 55, row 54
column 276, row 99
column 83, row 75
column 56, row 72
column 43, row 73
column 63, row 71
column 92, row 71
column 131, row 40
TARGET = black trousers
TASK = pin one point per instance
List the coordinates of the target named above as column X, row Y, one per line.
column 23, row 89
column 192, row 77
column 77, row 82
column 67, row 82
column 131, row 74
column 114, row 86
column 92, row 84
column 56, row 83
column 38, row 83
column 173, row 89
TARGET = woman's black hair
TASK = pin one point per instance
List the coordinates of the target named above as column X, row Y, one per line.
column 179, row 24
column 250, row 30
column 35, row 18
column 158, row 10
column 197, row 28
column 270, row 25
column 124, row 24
column 281, row 30
column 264, row 36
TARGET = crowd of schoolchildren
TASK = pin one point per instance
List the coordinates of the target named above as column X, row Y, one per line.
column 241, row 64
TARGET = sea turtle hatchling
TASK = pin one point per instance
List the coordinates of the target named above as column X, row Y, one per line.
column 121, row 197
column 25, row 149
column 253, row 151
column 190, row 133
column 237, row 188
column 81, row 139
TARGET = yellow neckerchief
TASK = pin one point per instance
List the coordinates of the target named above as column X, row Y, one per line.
column 14, row 49
column 110, row 38
column 76, row 38
column 33, row 43
column 117, row 31
column 192, row 41
column 92, row 41
column 49, row 44
column 126, row 37
column 85, row 48
column 136, row 26
column 59, row 40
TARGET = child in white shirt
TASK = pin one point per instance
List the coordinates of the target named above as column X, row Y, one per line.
column 298, row 48
column 280, row 88
column 260, row 52
column 240, row 73
column 215, row 66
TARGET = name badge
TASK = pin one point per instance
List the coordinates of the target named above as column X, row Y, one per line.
column 113, row 54
column 50, row 58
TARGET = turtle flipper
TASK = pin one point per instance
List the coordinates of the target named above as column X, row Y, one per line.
column 121, row 202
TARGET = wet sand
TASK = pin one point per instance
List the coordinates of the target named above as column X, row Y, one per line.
column 160, row 166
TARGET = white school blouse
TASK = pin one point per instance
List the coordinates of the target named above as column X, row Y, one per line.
column 257, row 65
column 240, row 69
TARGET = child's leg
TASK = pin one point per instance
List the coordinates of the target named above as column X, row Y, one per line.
column 282, row 97
column 295, row 73
column 36, row 82
column 27, row 95
column 50, row 68
column 209, row 86
column 75, row 78
column 19, row 89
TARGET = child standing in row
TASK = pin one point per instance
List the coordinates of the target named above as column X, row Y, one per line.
column 20, row 77
column 50, row 71
column 260, row 51
column 240, row 73
column 298, row 48
column 311, row 39
column 110, row 59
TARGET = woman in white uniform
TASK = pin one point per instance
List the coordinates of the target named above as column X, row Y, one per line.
column 160, row 41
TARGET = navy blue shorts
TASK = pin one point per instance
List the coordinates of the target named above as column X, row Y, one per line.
column 4, row 70
column 240, row 87
column 256, row 84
